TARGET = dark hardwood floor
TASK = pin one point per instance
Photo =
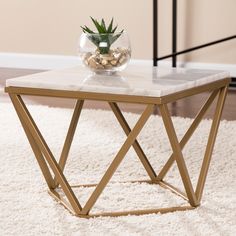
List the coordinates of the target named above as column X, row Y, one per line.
column 185, row 107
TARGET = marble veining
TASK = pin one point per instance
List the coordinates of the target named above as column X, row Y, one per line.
column 142, row 80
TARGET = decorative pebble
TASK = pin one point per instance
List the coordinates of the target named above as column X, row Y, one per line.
column 104, row 62
column 114, row 62
column 115, row 58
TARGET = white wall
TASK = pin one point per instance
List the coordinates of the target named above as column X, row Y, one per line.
column 53, row 26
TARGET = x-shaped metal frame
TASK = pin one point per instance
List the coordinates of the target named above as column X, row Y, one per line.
column 46, row 159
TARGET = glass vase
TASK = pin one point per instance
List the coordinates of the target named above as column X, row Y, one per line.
column 105, row 53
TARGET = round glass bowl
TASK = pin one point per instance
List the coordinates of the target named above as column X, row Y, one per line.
column 105, row 53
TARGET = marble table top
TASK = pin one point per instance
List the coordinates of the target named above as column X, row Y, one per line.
column 140, row 80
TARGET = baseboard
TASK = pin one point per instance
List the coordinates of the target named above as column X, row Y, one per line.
column 50, row 62
column 37, row 61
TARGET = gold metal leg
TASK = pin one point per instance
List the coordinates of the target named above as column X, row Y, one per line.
column 119, row 157
column 178, row 154
column 210, row 143
column 196, row 196
column 28, row 120
column 38, row 154
column 136, row 145
column 188, row 134
column 70, row 135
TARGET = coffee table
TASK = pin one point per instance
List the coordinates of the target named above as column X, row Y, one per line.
column 138, row 84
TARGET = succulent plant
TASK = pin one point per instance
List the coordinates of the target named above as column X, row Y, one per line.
column 105, row 35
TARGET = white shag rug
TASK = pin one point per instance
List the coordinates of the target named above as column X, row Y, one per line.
column 27, row 209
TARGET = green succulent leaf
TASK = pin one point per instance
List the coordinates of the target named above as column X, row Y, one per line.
column 110, row 26
column 115, row 37
column 98, row 26
column 87, row 30
column 104, row 34
column 114, row 30
column 94, row 38
column 103, row 25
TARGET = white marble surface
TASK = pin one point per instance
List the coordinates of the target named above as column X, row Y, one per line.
column 140, row 80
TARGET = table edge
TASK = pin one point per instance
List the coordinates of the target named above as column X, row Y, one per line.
column 99, row 96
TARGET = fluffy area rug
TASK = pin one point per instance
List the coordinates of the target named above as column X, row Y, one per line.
column 27, row 209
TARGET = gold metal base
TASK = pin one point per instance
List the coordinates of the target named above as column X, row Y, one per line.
column 47, row 160
column 59, row 199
